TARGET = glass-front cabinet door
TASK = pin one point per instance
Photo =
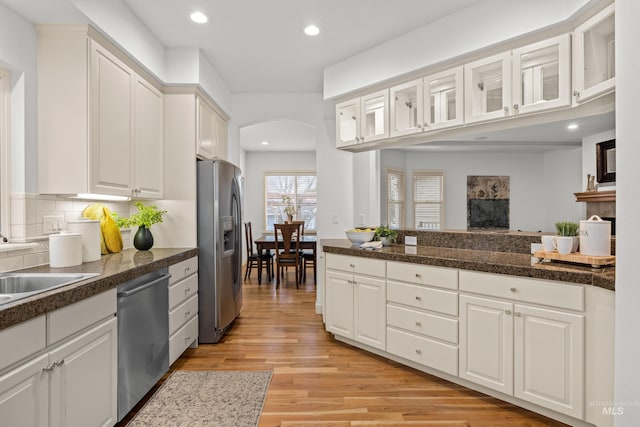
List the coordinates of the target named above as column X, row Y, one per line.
column 542, row 75
column 348, row 123
column 375, row 116
column 594, row 45
column 487, row 84
column 443, row 99
column 407, row 108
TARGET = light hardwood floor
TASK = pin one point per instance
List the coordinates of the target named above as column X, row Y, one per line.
column 318, row 381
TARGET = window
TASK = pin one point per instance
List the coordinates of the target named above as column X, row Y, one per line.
column 300, row 187
column 428, row 201
column 395, row 198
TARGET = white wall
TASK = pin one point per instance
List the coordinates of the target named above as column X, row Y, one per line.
column 366, row 185
column 469, row 29
column 627, row 354
column 542, row 185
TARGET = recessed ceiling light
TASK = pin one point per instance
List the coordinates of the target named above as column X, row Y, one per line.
column 312, row 30
column 264, row 143
column 199, row 17
column 572, row 126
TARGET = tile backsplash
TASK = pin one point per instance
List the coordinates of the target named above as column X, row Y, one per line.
column 27, row 212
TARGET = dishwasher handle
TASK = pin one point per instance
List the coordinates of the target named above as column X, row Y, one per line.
column 133, row 291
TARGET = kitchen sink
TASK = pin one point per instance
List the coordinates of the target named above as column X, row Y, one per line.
column 14, row 286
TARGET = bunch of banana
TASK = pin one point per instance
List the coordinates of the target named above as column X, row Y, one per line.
column 110, row 237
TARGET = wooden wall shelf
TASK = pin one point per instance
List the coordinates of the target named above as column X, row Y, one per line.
column 596, row 196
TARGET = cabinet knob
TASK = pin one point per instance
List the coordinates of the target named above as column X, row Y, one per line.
column 576, row 93
column 418, row 298
column 418, row 275
column 507, row 311
column 517, row 313
column 506, row 109
column 418, row 323
column 419, row 126
column 352, row 265
column 186, row 290
column 426, row 124
column 58, row 362
column 512, row 289
column 515, row 107
column 186, row 270
column 187, row 338
column 187, row 313
column 48, row 368
column 418, row 351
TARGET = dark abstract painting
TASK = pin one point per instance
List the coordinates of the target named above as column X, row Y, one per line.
column 487, row 202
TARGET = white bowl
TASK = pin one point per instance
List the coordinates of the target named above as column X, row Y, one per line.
column 360, row 236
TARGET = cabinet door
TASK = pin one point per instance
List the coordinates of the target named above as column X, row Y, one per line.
column 23, row 395
column 594, row 45
column 443, row 99
column 542, row 75
column 148, row 141
column 84, row 380
column 348, row 123
column 407, row 107
column 549, row 359
column 220, row 127
column 205, row 138
column 374, row 120
column 487, row 84
column 111, row 130
column 370, row 311
column 339, row 303
column 486, row 342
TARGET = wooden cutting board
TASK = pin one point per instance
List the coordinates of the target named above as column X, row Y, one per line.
column 577, row 257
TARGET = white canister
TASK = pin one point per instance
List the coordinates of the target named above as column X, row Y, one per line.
column 65, row 249
column 595, row 237
column 90, row 230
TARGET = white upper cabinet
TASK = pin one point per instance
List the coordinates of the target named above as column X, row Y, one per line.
column 211, row 137
column 488, row 88
column 594, row 56
column 542, row 75
column 407, row 108
column 443, row 97
column 362, row 119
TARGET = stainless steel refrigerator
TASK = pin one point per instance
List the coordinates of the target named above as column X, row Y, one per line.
column 220, row 245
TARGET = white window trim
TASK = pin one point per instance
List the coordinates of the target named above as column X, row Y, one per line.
column 402, row 192
column 264, row 191
column 5, row 132
column 442, row 201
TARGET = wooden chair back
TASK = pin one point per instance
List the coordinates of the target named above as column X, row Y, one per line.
column 248, row 235
column 289, row 235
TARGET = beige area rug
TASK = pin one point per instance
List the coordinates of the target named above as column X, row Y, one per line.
column 206, row 399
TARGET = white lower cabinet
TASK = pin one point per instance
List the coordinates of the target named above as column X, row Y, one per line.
column 356, row 303
column 531, row 352
column 183, row 307
column 73, row 382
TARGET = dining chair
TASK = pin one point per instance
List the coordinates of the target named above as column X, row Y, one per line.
column 289, row 256
column 308, row 258
column 253, row 258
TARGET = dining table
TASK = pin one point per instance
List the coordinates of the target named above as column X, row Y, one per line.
column 268, row 242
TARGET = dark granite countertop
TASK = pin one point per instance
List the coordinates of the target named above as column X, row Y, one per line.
column 113, row 269
column 515, row 264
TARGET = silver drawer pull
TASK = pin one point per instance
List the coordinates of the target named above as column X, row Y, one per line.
column 513, row 289
column 418, row 275
column 187, row 338
column 58, row 362
column 186, row 270
column 517, row 313
column 418, row 298
column 48, row 368
column 352, row 265
column 418, row 351
column 187, row 313
column 507, row 311
column 186, row 290
column 418, row 323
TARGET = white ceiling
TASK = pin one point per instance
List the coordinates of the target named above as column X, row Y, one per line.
column 259, row 46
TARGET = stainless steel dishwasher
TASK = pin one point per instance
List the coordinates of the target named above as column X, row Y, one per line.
column 143, row 336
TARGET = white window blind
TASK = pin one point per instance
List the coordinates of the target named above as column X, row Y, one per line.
column 395, row 198
column 428, row 200
column 300, row 187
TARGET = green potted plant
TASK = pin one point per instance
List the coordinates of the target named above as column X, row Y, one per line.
column 143, row 219
column 567, row 239
column 386, row 235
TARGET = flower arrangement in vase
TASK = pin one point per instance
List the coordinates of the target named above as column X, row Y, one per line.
column 289, row 208
column 143, row 219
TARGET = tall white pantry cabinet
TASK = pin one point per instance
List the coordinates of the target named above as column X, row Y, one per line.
column 98, row 112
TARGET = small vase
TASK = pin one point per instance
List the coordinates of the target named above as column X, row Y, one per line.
column 143, row 240
column 289, row 219
column 385, row 240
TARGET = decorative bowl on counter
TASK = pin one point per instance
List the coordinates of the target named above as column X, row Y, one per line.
column 360, row 236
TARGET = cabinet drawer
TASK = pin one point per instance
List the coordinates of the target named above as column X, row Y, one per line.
column 423, row 274
column 22, row 340
column 182, row 313
column 422, row 297
column 422, row 323
column 75, row 317
column 353, row 264
column 183, row 269
column 179, row 341
column 555, row 294
column 182, row 290
column 442, row 357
